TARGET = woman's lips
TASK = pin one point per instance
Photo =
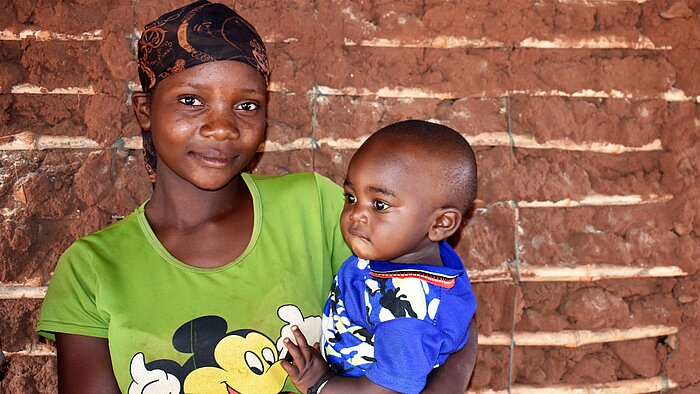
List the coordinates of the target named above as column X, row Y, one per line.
column 214, row 159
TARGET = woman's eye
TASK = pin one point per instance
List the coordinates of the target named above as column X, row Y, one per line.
column 380, row 205
column 351, row 199
column 190, row 101
column 247, row 106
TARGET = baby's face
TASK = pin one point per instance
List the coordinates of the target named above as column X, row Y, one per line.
column 389, row 205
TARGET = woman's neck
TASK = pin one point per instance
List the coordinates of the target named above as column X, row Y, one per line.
column 177, row 203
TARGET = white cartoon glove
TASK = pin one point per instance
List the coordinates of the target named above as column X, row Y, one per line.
column 310, row 326
column 154, row 381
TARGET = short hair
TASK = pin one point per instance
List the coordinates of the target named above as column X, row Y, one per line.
column 450, row 153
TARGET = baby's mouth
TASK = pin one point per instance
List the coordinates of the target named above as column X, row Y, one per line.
column 358, row 235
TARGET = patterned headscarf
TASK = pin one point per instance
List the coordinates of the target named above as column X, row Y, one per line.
column 197, row 33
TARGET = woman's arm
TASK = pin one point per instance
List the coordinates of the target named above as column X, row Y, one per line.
column 84, row 365
column 454, row 375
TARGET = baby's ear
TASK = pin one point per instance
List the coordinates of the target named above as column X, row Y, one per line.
column 142, row 109
column 447, row 221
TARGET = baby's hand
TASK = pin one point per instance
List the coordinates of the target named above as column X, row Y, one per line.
column 308, row 366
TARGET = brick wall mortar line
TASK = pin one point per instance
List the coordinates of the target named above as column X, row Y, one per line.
column 577, row 338
column 672, row 95
column 47, row 35
column 565, row 338
column 599, row 200
column 20, row 142
column 527, row 272
column 601, row 42
column 27, row 88
column 627, row 386
column 13, row 292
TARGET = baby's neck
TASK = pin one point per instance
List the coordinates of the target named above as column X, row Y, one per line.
column 428, row 256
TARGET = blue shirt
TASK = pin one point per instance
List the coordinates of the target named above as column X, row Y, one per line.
column 395, row 322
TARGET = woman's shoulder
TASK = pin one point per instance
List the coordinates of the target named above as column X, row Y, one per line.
column 121, row 232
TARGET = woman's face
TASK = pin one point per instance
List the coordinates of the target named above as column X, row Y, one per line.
column 207, row 122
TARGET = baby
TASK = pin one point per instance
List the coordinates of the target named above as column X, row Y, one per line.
column 403, row 302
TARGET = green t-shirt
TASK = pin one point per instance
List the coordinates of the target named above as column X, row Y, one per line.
column 205, row 328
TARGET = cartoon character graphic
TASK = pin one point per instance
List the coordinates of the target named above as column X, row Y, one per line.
column 241, row 361
column 247, row 363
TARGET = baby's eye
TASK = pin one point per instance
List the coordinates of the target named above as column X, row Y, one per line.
column 247, row 106
column 350, row 199
column 380, row 205
column 190, row 101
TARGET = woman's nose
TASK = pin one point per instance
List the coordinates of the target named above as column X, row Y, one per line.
column 220, row 124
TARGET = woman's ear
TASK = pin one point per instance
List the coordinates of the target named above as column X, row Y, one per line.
column 142, row 109
column 447, row 221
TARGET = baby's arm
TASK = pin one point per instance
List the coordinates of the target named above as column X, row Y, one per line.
column 454, row 375
column 309, row 369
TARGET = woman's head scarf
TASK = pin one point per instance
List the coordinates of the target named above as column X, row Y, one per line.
column 197, row 33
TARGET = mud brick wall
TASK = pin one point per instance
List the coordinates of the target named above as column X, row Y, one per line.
column 583, row 247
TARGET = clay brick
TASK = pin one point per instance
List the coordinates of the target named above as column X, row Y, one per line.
column 684, row 362
column 639, row 356
column 648, row 74
column 491, row 369
column 288, row 117
column 407, row 19
column 598, row 305
column 487, row 239
column 585, row 365
column 118, row 40
column 353, row 117
column 552, row 175
column 495, row 316
column 539, row 304
column 61, row 64
column 292, row 65
column 537, row 366
column 576, row 19
column 45, row 114
column 678, row 32
column 581, row 120
column 26, row 374
column 595, row 367
column 635, row 236
column 279, row 20
column 583, row 307
column 686, row 61
column 60, row 16
column 106, row 117
column 332, row 163
column 280, row 163
column 458, row 72
column 11, row 71
column 19, row 318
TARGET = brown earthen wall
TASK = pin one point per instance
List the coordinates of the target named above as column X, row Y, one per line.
column 583, row 247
